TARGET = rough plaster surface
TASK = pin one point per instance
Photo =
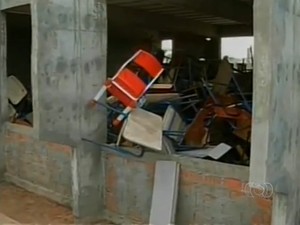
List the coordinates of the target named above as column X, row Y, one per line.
column 204, row 198
column 71, row 52
column 276, row 126
column 2, row 159
column 68, row 68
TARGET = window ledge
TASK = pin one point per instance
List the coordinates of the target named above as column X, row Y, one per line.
column 20, row 129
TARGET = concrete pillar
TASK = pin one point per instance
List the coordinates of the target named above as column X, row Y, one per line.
column 69, row 66
column 2, row 100
column 2, row 159
column 275, row 148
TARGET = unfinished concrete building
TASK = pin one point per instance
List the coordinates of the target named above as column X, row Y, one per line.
column 63, row 50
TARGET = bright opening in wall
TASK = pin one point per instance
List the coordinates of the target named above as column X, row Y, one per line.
column 167, row 47
column 238, row 49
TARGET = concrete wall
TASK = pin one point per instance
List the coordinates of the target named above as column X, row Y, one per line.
column 68, row 67
column 209, row 192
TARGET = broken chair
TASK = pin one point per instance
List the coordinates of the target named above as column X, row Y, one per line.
column 127, row 87
column 20, row 109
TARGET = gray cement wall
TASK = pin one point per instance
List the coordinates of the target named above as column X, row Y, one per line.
column 68, row 67
column 276, row 126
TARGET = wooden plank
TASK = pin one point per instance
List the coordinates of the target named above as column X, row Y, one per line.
column 165, row 191
column 144, row 128
column 215, row 152
column 223, row 78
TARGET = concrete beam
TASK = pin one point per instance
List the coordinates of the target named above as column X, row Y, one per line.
column 237, row 11
column 235, row 31
column 6, row 4
column 275, row 146
column 2, row 157
column 164, row 23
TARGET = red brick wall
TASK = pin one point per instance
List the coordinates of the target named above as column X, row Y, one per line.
column 39, row 166
column 203, row 199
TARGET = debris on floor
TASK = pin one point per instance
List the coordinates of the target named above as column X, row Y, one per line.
column 197, row 113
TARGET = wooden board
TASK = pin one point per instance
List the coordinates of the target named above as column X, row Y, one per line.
column 222, row 80
column 15, row 90
column 165, row 192
column 214, row 152
column 144, row 128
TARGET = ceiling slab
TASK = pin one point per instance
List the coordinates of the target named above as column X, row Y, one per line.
column 126, row 17
column 231, row 11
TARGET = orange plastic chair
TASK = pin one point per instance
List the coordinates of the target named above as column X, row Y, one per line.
column 127, row 87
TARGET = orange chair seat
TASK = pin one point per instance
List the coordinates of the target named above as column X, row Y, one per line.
column 127, row 87
column 149, row 63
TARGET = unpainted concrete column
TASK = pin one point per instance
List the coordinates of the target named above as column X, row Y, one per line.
column 275, row 151
column 3, row 100
column 70, row 68
column 2, row 159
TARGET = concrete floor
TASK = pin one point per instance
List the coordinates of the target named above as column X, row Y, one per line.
column 6, row 220
column 27, row 208
column 18, row 206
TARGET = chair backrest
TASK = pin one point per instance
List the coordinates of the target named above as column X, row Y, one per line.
column 223, row 78
column 16, row 90
column 130, row 83
column 149, row 63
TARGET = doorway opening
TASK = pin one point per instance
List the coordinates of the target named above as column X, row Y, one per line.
column 18, row 64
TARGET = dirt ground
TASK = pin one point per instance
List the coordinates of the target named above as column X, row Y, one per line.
column 27, row 208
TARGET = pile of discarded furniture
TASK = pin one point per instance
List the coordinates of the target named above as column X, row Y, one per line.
column 152, row 107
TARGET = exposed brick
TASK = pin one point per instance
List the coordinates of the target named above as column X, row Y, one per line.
column 44, row 164
column 202, row 199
